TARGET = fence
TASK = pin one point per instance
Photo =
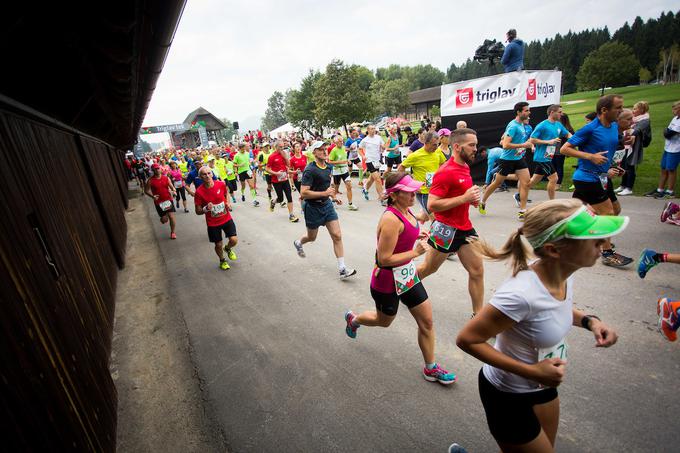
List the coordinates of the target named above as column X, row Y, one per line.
column 62, row 240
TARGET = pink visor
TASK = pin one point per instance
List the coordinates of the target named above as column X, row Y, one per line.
column 405, row 184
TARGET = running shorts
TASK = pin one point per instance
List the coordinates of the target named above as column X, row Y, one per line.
column 392, row 161
column 356, row 161
column 268, row 179
column 244, row 176
column 511, row 416
column 372, row 167
column 318, row 214
column 508, row 167
column 388, row 303
column 670, row 161
column 231, row 185
column 215, row 232
column 593, row 193
column 338, row 178
column 544, row 168
column 163, row 213
column 459, row 240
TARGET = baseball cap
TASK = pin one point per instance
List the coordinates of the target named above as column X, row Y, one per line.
column 265, row 144
column 316, row 145
column 405, row 184
column 444, row 131
column 155, row 166
column 582, row 224
column 211, row 157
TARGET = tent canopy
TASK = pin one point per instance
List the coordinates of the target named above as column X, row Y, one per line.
column 283, row 129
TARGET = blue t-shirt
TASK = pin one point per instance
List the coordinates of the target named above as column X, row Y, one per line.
column 193, row 177
column 492, row 155
column 416, row 145
column 547, row 130
column 352, row 152
column 594, row 138
column 518, row 133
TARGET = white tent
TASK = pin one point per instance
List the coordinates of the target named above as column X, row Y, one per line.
column 285, row 129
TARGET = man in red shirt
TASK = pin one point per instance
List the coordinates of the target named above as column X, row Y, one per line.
column 160, row 189
column 212, row 200
column 277, row 166
column 451, row 195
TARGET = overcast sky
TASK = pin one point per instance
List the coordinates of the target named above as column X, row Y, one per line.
column 230, row 56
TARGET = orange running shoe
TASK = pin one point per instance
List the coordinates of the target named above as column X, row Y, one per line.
column 667, row 310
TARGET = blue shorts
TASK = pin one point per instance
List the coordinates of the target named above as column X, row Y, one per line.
column 318, row 214
column 670, row 161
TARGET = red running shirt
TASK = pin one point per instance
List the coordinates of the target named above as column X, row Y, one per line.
column 277, row 163
column 298, row 163
column 159, row 186
column 452, row 180
column 215, row 195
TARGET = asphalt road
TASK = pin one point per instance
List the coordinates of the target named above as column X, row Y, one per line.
column 279, row 373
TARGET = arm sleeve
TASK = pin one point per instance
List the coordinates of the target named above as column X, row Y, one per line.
column 509, row 301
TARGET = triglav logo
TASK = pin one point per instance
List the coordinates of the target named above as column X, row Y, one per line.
column 464, row 97
column 531, row 90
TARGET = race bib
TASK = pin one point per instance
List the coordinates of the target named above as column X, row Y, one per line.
column 550, row 151
column 405, row 277
column 218, row 210
column 165, row 205
column 603, row 180
column 618, row 157
column 428, row 179
column 177, row 184
column 250, row 173
column 442, row 234
column 558, row 351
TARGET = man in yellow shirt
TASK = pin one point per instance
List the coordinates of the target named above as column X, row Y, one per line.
column 424, row 163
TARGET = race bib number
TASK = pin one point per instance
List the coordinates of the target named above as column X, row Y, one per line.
column 177, row 184
column 218, row 210
column 442, row 234
column 165, row 205
column 428, row 179
column 603, row 180
column 519, row 152
column 618, row 157
column 405, row 277
column 558, row 351
column 250, row 173
column 550, row 151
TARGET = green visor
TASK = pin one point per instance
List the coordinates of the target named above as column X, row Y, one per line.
column 582, row 224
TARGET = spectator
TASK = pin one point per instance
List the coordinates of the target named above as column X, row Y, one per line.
column 461, row 125
column 670, row 158
column 643, row 137
column 513, row 56
column 558, row 158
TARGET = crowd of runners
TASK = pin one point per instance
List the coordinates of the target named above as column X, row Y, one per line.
column 424, row 182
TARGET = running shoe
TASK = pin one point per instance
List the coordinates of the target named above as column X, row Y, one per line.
column 669, row 210
column 520, row 216
column 616, row 260
column 482, row 208
column 503, row 188
column 243, row 198
column 365, row 192
column 256, row 203
column 351, row 329
column 455, row 448
column 646, row 262
column 673, row 221
column 186, row 210
column 572, row 187
column 439, row 374
column 619, row 189
column 517, row 200
column 351, row 207
column 346, row 273
column 625, row 192
column 177, row 204
column 652, row 193
column 283, row 204
column 272, row 204
column 233, row 199
column 298, row 247
column 667, row 318
column 224, row 265
column 173, row 236
column 230, row 253
column 293, row 219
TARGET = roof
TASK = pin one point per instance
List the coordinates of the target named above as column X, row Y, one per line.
column 432, row 94
column 93, row 69
column 202, row 113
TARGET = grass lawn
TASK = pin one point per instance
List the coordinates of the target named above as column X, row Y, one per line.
column 660, row 99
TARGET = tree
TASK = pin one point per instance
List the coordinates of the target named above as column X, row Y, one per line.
column 425, row 76
column 275, row 115
column 390, row 97
column 365, row 75
column 612, row 64
column 229, row 131
column 300, row 104
column 435, row 111
column 645, row 75
column 338, row 96
column 146, row 148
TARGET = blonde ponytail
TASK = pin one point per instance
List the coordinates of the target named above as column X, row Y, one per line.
column 513, row 249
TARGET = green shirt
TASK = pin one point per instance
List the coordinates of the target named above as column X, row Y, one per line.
column 242, row 161
column 264, row 158
column 338, row 154
column 229, row 170
column 423, row 166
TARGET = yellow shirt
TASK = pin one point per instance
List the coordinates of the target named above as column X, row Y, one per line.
column 423, row 166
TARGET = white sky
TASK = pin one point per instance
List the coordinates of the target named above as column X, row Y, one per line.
column 230, row 56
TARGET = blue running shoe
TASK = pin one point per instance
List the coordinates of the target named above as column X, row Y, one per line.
column 517, row 200
column 351, row 329
column 439, row 374
column 455, row 448
column 646, row 262
column 365, row 192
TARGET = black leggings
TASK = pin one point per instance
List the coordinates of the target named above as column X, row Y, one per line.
column 298, row 184
column 628, row 179
column 181, row 191
column 281, row 188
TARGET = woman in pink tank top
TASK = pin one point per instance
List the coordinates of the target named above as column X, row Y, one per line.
column 394, row 277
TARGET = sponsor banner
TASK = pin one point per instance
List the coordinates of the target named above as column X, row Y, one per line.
column 164, row 128
column 501, row 92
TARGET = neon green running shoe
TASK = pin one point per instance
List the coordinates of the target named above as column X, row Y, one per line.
column 482, row 208
column 224, row 265
column 230, row 253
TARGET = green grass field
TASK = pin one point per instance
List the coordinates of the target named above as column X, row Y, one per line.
column 660, row 99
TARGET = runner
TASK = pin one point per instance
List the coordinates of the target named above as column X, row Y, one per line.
column 245, row 174
column 424, row 163
column 318, row 208
column 262, row 158
column 450, row 197
column 159, row 188
column 352, row 145
column 546, row 137
column 530, row 316
column 444, row 145
column 212, row 201
column 193, row 177
column 515, row 143
column 298, row 162
column 277, row 167
column 392, row 147
column 597, row 142
column 372, row 146
column 175, row 175
column 338, row 159
column 394, row 276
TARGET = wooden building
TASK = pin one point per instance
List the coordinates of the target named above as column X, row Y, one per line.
column 190, row 138
column 422, row 102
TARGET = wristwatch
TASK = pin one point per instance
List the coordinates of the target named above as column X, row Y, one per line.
column 585, row 321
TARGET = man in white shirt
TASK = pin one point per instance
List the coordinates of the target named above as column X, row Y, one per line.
column 373, row 146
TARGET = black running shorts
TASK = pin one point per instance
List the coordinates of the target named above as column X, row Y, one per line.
column 593, row 193
column 388, row 303
column 508, row 167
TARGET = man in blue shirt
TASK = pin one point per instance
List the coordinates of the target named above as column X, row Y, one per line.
column 513, row 55
column 545, row 138
column 597, row 142
column 515, row 142
column 194, row 178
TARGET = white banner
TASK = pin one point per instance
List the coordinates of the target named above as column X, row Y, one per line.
column 501, row 92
